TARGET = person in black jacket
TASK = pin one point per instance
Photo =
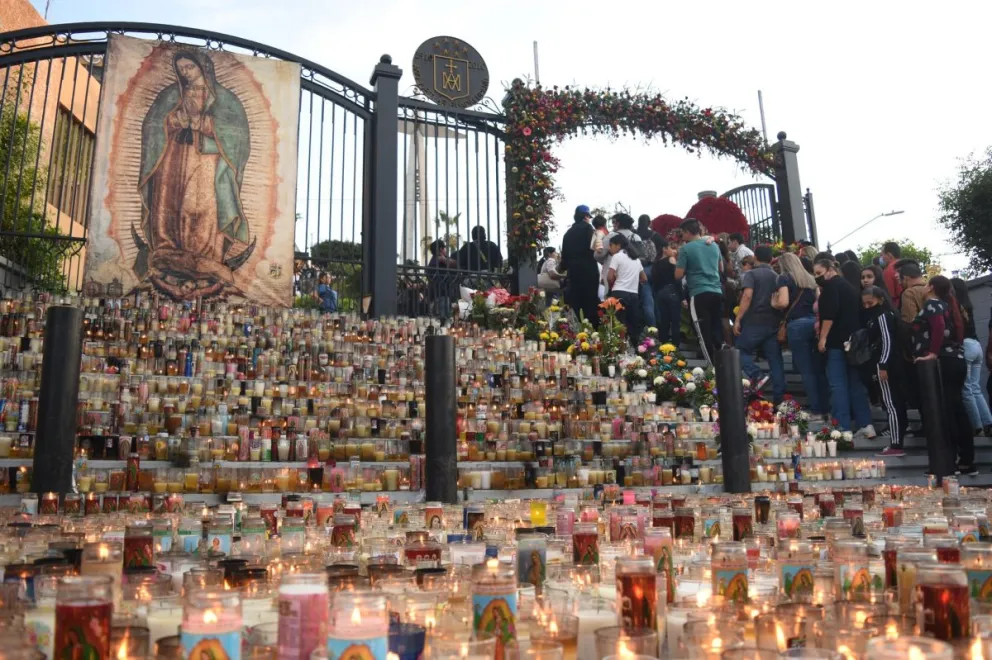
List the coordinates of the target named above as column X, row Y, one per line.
column 577, row 261
column 888, row 347
column 480, row 253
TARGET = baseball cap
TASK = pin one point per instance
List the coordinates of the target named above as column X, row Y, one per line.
column 583, row 209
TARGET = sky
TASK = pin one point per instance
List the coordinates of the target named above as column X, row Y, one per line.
column 882, row 98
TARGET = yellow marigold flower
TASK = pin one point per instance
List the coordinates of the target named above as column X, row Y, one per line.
column 585, row 346
column 667, row 348
column 570, row 349
column 582, row 336
column 543, row 336
column 555, row 308
column 554, row 335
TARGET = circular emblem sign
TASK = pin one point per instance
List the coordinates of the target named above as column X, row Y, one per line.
column 450, row 72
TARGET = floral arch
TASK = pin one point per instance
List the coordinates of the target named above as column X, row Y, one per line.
column 537, row 118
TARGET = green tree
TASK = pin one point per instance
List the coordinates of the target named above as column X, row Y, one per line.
column 966, row 211
column 910, row 250
column 343, row 261
column 23, row 201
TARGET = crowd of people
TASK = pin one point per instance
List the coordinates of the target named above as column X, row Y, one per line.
column 856, row 332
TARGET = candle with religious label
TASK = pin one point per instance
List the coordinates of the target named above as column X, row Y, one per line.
column 762, row 506
column 787, row 525
column 211, row 625
column 743, row 523
column 358, row 626
column 83, row 610
column 532, row 560
column 728, row 569
column 494, row 603
column 908, row 562
column 852, row 581
column 685, row 523
column 976, row 559
column 658, row 545
column 637, row 593
column 892, row 545
column 796, row 563
column 945, row 609
column 138, row 545
column 585, row 544
column 303, row 606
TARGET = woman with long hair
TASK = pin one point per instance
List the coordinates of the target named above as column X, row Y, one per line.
column 851, row 270
column 887, row 362
column 974, row 401
column 938, row 334
column 871, row 275
column 667, row 294
column 796, row 295
column 624, row 277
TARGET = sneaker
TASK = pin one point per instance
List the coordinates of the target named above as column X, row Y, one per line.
column 886, row 434
column 762, row 382
column 866, row 433
column 892, row 451
column 967, row 470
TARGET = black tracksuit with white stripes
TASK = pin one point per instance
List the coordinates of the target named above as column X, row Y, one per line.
column 888, row 347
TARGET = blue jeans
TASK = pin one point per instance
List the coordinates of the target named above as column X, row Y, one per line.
column 847, row 392
column 974, row 401
column 647, row 300
column 668, row 311
column 809, row 363
column 764, row 337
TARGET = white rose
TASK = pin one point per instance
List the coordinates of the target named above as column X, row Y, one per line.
column 690, row 387
column 804, row 416
column 746, row 382
column 698, row 372
column 847, row 435
column 642, row 373
column 658, row 380
column 835, row 435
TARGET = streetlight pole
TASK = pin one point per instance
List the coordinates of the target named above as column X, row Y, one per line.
column 849, row 234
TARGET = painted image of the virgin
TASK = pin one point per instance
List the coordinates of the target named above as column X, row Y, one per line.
column 195, row 143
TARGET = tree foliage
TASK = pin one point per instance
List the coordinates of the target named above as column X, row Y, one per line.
column 23, row 201
column 342, row 260
column 966, row 211
column 909, row 250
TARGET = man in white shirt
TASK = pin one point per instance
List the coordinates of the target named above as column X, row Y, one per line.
column 735, row 244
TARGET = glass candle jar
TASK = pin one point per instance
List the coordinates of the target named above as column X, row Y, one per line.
column 304, row 603
column 796, row 562
column 211, row 619
column 685, row 523
column 855, row 513
column 947, row 546
column 532, row 560
column 892, row 545
column 900, row 648
column 976, row 560
column 494, row 603
column 637, row 593
column 743, row 523
column 762, row 507
column 83, row 608
column 658, row 545
column 787, row 525
column 728, row 568
column 852, row 581
column 945, row 608
column 585, row 544
column 190, row 534
column 343, row 532
column 138, row 546
column 220, row 534
column 104, row 558
column 908, row 561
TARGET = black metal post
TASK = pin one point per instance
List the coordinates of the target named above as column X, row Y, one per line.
column 380, row 230
column 56, row 439
column 441, row 464
column 734, row 444
column 939, row 450
column 790, row 193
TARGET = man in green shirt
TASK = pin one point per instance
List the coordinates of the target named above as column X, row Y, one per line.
column 701, row 264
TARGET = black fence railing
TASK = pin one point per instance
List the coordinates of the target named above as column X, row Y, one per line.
column 426, row 291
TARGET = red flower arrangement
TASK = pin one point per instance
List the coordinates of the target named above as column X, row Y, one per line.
column 665, row 223
column 719, row 215
column 537, row 118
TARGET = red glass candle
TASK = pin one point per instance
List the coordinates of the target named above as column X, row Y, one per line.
column 685, row 523
column 423, row 554
column 268, row 514
column 585, row 544
column 828, row 505
column 139, row 549
column 109, row 503
column 664, row 518
column 762, row 506
column 743, row 523
column 83, row 609
column 892, row 514
column 637, row 593
column 945, row 608
column 343, row 532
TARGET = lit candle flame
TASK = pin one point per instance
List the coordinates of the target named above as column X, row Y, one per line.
column 356, row 617
column 702, row 598
column 716, row 645
column 916, row 654
column 780, row 638
column 553, row 628
column 209, row 617
column 122, row 649
column 227, row 585
column 975, row 652
column 891, row 632
column 104, row 552
column 463, row 651
column 623, row 651
column 859, row 619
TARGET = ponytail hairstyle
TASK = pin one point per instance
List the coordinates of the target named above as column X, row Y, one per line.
column 943, row 290
column 621, row 240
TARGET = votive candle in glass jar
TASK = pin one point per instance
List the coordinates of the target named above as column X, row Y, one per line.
column 585, row 544
column 796, row 562
column 892, row 514
column 637, row 593
column 743, row 523
column 532, row 560
column 83, row 608
column 787, row 525
column 908, row 562
column 494, row 602
column 564, row 521
column 304, row 602
column 976, row 560
column 945, row 608
column 852, row 580
column 139, row 550
column 211, row 625
column 728, row 568
column 892, row 545
column 915, row 648
column 658, row 545
column 104, row 558
column 220, row 534
column 762, row 506
column 343, row 532
column 685, row 523
column 947, row 546
column 855, row 513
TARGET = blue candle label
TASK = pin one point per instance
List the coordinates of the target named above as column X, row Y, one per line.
column 796, row 579
column 731, row 584
column 163, row 541
column 711, row 527
column 219, row 542
column 496, row 615
column 197, row 646
column 191, row 541
column 980, row 585
column 358, row 649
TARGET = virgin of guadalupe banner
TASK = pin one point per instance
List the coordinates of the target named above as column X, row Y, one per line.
column 194, row 179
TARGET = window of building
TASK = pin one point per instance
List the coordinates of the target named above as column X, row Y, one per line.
column 69, row 172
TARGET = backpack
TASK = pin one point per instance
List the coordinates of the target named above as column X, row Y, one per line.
column 637, row 246
column 858, row 348
column 650, row 249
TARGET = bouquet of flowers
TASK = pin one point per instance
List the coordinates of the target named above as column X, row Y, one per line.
column 586, row 342
column 636, row 371
column 759, row 410
column 844, row 439
column 792, row 413
column 612, row 333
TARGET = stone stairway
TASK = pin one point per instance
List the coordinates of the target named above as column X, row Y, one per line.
column 910, row 469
